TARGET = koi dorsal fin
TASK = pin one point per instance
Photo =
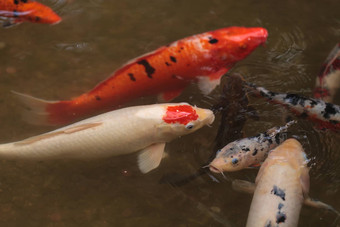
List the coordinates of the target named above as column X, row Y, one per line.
column 70, row 130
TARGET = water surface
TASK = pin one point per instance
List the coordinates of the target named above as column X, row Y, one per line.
column 95, row 38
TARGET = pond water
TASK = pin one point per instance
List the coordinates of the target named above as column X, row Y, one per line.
column 95, row 38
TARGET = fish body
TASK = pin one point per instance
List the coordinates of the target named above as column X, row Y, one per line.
column 165, row 72
column 247, row 152
column 328, row 81
column 123, row 131
column 27, row 10
column 326, row 115
column 281, row 184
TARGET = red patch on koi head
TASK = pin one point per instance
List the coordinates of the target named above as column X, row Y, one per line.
column 182, row 114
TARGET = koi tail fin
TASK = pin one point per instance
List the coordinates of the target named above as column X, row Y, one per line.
column 38, row 111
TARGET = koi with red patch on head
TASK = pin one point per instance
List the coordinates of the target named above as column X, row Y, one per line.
column 182, row 114
column 27, row 10
column 139, row 128
column 165, row 72
column 326, row 115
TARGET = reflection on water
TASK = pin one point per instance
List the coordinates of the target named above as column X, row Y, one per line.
column 95, row 38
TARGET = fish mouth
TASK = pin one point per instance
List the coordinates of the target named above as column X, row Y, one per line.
column 205, row 115
column 214, row 169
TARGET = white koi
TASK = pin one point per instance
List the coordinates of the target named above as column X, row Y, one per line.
column 281, row 187
column 140, row 128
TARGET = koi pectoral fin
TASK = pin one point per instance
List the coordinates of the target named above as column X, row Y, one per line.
column 10, row 23
column 150, row 157
column 243, row 186
column 170, row 95
column 318, row 204
column 208, row 83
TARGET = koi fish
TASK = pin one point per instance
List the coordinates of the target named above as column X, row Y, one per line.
column 326, row 115
column 166, row 71
column 281, row 186
column 249, row 151
column 233, row 106
column 27, row 10
column 328, row 81
column 123, row 131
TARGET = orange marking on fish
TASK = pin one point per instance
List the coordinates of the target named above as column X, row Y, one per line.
column 182, row 114
column 27, row 10
column 167, row 70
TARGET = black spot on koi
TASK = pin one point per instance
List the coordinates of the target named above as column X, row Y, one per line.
column 268, row 224
column 16, row 2
column 132, row 77
column 148, row 68
column 167, row 63
column 277, row 139
column 98, row 98
column 24, row 1
column 292, row 99
column 246, row 149
column 280, row 217
column 329, row 110
column 255, row 152
column 173, row 59
column 213, row 40
column 280, row 206
column 278, row 192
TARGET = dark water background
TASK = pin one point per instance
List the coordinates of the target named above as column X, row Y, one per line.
column 95, row 38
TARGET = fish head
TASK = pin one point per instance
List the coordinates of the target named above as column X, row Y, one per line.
column 228, row 159
column 39, row 13
column 182, row 118
column 291, row 153
column 233, row 44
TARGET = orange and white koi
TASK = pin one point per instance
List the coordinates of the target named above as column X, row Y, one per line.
column 247, row 152
column 123, row 131
column 27, row 10
column 165, row 72
column 328, row 81
column 281, row 186
column 326, row 115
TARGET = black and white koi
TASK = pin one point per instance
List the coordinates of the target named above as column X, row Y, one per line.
column 247, row 152
column 326, row 115
column 281, row 187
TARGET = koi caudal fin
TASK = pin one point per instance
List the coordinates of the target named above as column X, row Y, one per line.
column 41, row 112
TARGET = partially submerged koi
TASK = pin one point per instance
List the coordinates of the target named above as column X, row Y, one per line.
column 281, row 186
column 247, row 152
column 123, row 131
column 27, row 10
column 165, row 72
column 326, row 115
column 328, row 81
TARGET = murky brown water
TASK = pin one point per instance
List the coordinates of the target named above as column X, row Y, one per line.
column 94, row 39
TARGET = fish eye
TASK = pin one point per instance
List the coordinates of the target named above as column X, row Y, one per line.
column 234, row 161
column 189, row 126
